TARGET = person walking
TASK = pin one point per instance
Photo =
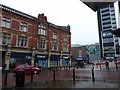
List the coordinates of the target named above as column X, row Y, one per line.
column 107, row 65
column 36, row 65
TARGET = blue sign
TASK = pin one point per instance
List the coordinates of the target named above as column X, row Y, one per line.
column 65, row 57
column 21, row 55
column 79, row 59
column 41, row 56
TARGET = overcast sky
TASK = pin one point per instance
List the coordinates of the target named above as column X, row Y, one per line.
column 83, row 20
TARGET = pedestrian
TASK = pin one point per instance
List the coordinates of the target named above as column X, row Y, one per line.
column 92, row 62
column 107, row 65
column 36, row 65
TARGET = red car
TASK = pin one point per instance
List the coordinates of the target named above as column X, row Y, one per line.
column 100, row 63
column 27, row 68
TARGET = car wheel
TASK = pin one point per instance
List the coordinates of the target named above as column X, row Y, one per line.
column 35, row 71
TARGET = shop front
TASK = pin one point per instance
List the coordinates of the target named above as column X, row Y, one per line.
column 41, row 59
column 65, row 60
column 54, row 60
column 79, row 62
column 20, row 58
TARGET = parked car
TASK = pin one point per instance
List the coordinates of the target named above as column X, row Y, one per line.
column 27, row 68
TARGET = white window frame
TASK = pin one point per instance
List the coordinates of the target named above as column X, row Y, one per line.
column 65, row 47
column 23, row 27
column 22, row 41
column 6, row 39
column 55, row 35
column 6, row 22
column 42, row 30
column 42, row 44
column 65, row 38
column 55, row 46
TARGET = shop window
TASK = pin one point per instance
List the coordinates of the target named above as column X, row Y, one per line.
column 22, row 41
column 23, row 27
column 6, row 38
column 6, row 22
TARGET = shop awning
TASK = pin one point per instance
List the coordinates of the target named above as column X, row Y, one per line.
column 97, row 4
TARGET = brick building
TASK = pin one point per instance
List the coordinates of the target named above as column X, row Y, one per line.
column 29, row 39
column 80, row 52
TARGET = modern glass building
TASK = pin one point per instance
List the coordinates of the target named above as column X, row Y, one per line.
column 109, row 44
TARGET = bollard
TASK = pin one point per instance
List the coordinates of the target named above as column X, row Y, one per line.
column 31, row 76
column 73, row 74
column 100, row 66
column 5, row 82
column 69, row 67
column 116, row 65
column 64, row 67
column 93, row 77
column 53, row 75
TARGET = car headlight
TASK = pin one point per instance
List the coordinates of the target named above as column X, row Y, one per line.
column 37, row 68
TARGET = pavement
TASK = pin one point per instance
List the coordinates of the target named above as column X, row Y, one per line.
column 73, row 84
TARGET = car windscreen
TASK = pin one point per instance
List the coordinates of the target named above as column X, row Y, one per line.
column 21, row 66
column 28, row 66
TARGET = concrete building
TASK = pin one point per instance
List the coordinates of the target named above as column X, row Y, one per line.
column 109, row 43
column 29, row 39
column 94, row 52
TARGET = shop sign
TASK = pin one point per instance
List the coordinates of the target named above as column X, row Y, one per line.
column 41, row 56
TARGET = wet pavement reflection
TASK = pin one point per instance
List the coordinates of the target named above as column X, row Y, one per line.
column 64, row 79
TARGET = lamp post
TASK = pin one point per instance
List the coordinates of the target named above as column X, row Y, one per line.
column 48, row 57
column 60, row 58
column 7, row 56
column 33, row 56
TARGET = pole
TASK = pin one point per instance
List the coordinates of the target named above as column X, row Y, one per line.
column 93, row 77
column 73, row 74
column 116, row 65
column 53, row 75
column 6, row 74
column 100, row 65
column 31, row 76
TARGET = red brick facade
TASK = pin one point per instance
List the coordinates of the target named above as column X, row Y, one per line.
column 32, row 46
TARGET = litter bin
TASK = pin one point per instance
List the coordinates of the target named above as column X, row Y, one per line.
column 20, row 78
